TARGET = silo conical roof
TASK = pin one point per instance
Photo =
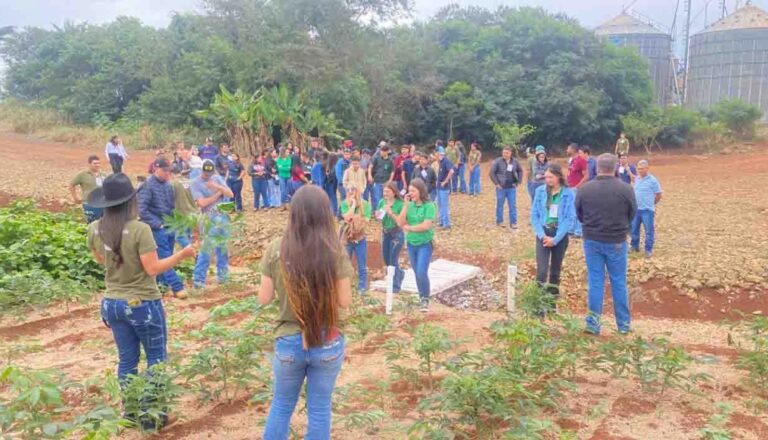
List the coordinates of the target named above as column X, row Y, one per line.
column 748, row 17
column 624, row 24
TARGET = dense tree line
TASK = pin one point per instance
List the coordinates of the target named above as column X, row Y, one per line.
column 458, row 73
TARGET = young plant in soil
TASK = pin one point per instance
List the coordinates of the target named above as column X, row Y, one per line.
column 755, row 360
column 148, row 398
column 716, row 427
column 429, row 341
column 364, row 322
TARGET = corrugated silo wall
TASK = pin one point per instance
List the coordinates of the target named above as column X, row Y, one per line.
column 654, row 48
column 729, row 64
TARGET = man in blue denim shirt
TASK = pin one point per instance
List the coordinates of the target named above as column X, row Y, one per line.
column 156, row 201
column 209, row 190
column 606, row 206
column 648, row 194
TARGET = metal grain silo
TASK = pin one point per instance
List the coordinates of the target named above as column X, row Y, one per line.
column 653, row 45
column 729, row 59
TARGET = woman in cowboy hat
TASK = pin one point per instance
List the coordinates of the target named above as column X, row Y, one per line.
column 132, row 306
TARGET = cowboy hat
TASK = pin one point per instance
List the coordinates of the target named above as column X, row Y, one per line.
column 116, row 190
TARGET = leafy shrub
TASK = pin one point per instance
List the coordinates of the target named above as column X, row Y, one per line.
column 738, row 116
column 149, row 397
column 678, row 126
column 755, row 359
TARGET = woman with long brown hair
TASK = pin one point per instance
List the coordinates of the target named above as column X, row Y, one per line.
column 132, row 306
column 309, row 273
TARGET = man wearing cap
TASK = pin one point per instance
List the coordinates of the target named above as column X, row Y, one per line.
column 622, row 144
column 185, row 203
column 209, row 150
column 444, row 175
column 536, row 169
column 400, row 165
column 506, row 174
column 157, row 201
column 209, row 191
column 341, row 167
column 381, row 172
column 88, row 180
column 648, row 195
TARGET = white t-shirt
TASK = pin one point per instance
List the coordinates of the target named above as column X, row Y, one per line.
column 195, row 162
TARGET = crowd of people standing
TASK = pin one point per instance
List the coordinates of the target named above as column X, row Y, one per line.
column 599, row 201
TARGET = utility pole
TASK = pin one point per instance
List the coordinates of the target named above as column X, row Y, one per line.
column 687, row 42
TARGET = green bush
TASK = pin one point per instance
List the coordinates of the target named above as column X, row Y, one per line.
column 740, row 117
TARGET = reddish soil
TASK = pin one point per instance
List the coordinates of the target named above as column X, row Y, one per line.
column 210, row 421
column 631, row 405
column 35, row 327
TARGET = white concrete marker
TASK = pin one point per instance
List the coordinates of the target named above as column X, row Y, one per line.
column 390, row 288
column 511, row 277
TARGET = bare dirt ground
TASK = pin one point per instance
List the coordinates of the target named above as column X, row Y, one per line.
column 710, row 261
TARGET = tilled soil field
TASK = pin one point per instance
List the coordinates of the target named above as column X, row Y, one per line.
column 711, row 262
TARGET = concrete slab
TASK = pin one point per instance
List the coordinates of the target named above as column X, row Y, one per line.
column 443, row 275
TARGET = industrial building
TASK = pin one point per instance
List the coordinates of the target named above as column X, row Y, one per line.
column 729, row 59
column 653, row 45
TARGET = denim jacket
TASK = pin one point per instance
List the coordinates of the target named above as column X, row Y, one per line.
column 566, row 213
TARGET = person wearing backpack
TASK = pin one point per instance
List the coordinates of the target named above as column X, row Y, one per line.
column 356, row 213
column 310, row 292
column 505, row 174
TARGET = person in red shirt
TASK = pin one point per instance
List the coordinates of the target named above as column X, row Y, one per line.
column 404, row 156
column 578, row 173
column 577, row 167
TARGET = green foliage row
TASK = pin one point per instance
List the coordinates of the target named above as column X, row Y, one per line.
column 457, row 74
column 728, row 120
column 43, row 257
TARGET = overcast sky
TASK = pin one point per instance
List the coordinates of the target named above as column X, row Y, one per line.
column 157, row 12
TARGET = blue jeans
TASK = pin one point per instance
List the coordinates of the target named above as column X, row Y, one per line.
column 184, row 239
column 360, row 251
column 601, row 256
column 474, row 181
column 458, row 181
column 367, row 193
column 342, row 192
column 420, row 257
column 92, row 214
column 273, row 193
column 510, row 196
column 260, row 189
column 194, row 173
column 295, row 187
column 443, row 207
column 377, row 194
column 219, row 230
column 291, row 364
column 133, row 328
column 433, row 195
column 532, row 188
column 237, row 189
column 644, row 217
column 577, row 228
column 391, row 245
column 330, row 190
column 166, row 241
column 285, row 190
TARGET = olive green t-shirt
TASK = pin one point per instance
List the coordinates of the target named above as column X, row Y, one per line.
column 474, row 157
column 128, row 281
column 271, row 267
column 88, row 182
column 416, row 215
column 397, row 207
column 185, row 203
column 366, row 209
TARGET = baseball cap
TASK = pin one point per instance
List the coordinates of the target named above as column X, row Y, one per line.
column 163, row 163
column 208, row 166
column 441, row 150
column 348, row 143
column 382, row 144
column 540, row 149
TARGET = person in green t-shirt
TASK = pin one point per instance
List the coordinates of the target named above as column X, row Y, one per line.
column 356, row 214
column 417, row 219
column 132, row 306
column 283, row 164
column 88, row 181
column 473, row 162
column 310, row 276
column 392, row 237
column 185, row 203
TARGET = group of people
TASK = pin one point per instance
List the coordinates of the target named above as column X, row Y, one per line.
column 598, row 200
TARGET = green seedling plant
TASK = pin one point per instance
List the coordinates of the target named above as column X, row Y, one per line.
column 430, row 343
column 754, row 360
column 533, row 300
column 151, row 396
column 365, row 322
column 367, row 420
column 716, row 428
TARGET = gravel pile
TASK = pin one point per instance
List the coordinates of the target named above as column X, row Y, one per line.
column 475, row 294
